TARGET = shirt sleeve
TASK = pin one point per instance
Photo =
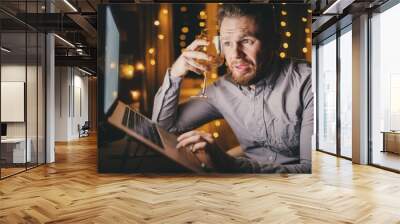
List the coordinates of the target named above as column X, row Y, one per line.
column 179, row 118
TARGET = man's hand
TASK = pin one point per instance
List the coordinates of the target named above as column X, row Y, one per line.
column 197, row 140
column 188, row 60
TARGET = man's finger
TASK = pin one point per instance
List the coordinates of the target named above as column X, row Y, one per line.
column 186, row 134
column 196, row 43
column 197, row 65
column 189, row 140
column 199, row 146
column 195, row 70
column 196, row 55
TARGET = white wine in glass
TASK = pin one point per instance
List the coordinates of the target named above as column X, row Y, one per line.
column 216, row 58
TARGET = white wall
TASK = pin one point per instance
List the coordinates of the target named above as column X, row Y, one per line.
column 71, row 102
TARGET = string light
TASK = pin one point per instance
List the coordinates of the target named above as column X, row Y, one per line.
column 165, row 11
column 285, row 45
column 307, row 30
column 282, row 54
column 183, row 9
column 203, row 15
column 305, row 50
column 152, row 61
column 304, row 19
column 215, row 134
column 217, row 123
column 309, row 10
column 182, row 44
column 140, row 66
column 160, row 36
column 151, row 50
column 156, row 23
column 182, row 37
column 284, row 13
column 202, row 24
column 283, row 23
column 135, row 94
column 288, row 34
column 127, row 71
column 185, row 29
column 308, row 40
column 214, row 76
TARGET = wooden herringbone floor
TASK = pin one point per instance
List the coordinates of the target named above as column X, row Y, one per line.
column 71, row 191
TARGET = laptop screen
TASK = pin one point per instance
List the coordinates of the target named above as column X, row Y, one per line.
column 141, row 125
column 111, row 61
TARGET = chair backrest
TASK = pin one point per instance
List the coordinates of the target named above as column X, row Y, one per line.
column 86, row 125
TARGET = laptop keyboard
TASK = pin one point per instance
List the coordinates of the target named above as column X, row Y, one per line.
column 141, row 125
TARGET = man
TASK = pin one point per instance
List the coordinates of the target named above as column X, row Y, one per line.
column 267, row 101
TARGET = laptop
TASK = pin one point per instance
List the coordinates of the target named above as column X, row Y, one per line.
column 149, row 133
column 130, row 121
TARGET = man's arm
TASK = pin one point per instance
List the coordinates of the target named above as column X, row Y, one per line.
column 179, row 118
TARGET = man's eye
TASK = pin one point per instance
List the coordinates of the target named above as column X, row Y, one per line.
column 247, row 41
column 226, row 44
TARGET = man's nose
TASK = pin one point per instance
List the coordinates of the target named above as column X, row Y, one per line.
column 238, row 51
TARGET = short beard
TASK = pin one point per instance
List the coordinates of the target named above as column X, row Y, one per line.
column 244, row 80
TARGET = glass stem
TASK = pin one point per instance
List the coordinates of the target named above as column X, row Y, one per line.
column 203, row 92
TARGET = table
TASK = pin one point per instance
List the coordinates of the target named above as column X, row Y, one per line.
column 13, row 150
column 391, row 141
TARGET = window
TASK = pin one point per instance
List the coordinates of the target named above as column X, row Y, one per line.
column 346, row 92
column 327, row 95
column 385, row 89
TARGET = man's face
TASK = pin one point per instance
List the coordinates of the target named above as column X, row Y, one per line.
column 241, row 47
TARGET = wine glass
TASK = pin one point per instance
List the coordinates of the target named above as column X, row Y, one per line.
column 216, row 58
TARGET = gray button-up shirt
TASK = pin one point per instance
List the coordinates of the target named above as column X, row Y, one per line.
column 273, row 120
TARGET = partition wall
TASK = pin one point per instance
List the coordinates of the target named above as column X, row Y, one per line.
column 22, row 76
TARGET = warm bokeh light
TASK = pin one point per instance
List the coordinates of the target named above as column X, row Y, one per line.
column 165, row 11
column 182, row 37
column 135, row 94
column 160, row 36
column 152, row 62
column 151, row 50
column 288, row 34
column 184, row 9
column 309, row 10
column 156, row 22
column 308, row 40
column 217, row 123
column 202, row 24
column 304, row 19
column 127, row 71
column 282, row 54
column 214, row 75
column 307, row 30
column 140, row 66
column 182, row 44
column 283, row 23
column 203, row 15
column 284, row 13
column 185, row 29
column 305, row 50
column 215, row 134
column 285, row 45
